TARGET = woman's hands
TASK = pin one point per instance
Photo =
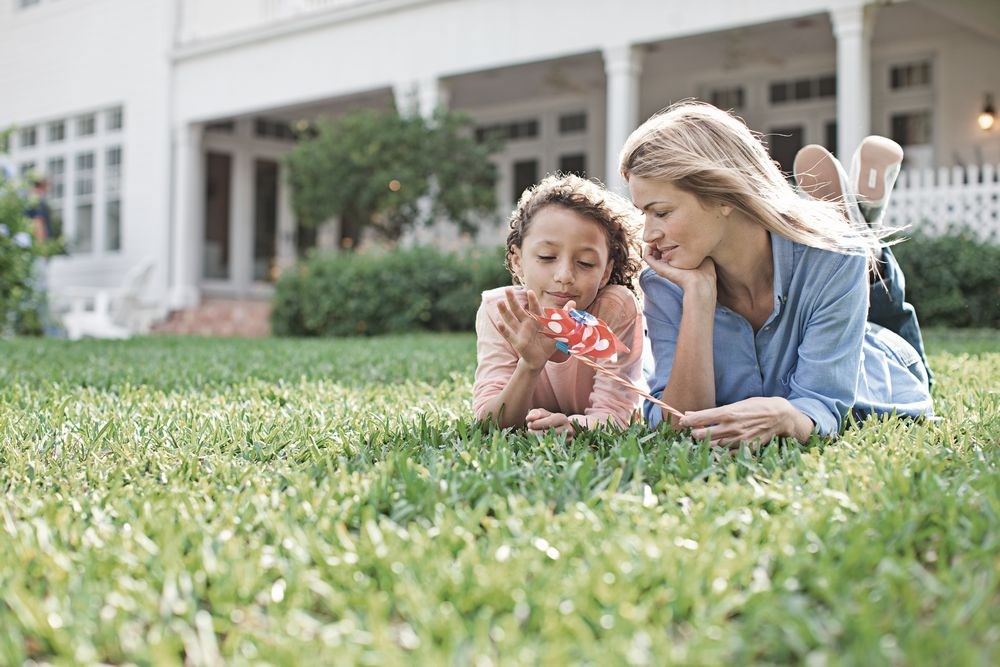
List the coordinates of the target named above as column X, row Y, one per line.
column 697, row 282
column 540, row 420
column 523, row 332
column 754, row 419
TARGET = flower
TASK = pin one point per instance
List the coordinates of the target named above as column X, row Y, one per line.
column 22, row 240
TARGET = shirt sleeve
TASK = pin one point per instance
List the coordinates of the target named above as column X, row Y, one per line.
column 824, row 383
column 495, row 359
column 609, row 400
column 662, row 305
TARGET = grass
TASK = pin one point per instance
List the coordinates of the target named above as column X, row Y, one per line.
column 176, row 501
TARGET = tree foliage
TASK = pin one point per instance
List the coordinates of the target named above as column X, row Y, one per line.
column 390, row 171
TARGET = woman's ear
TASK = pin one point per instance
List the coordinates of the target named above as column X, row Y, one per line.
column 726, row 209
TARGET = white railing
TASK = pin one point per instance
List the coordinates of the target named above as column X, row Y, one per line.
column 937, row 201
column 206, row 19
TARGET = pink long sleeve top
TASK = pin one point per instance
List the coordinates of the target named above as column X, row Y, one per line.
column 568, row 386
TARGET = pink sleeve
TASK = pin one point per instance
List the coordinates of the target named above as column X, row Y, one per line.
column 610, row 401
column 495, row 359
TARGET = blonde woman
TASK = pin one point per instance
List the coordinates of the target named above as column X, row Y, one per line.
column 756, row 299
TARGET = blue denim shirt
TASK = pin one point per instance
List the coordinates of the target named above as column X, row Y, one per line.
column 816, row 349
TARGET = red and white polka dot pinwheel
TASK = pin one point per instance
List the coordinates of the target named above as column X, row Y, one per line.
column 581, row 333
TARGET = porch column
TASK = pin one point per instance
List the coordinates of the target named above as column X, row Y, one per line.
column 852, row 27
column 286, row 232
column 189, row 195
column 421, row 96
column 241, row 221
column 622, row 66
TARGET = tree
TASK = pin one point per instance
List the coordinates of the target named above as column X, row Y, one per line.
column 389, row 172
column 21, row 300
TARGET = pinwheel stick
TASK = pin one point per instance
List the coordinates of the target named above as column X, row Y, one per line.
column 622, row 381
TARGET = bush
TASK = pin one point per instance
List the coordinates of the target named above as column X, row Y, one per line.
column 952, row 280
column 349, row 294
column 20, row 299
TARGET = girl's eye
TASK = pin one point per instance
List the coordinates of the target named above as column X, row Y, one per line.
column 586, row 265
column 546, row 258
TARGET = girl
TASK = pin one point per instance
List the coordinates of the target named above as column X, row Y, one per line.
column 570, row 242
column 756, row 298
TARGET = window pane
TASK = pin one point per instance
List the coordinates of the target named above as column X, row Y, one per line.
column 115, row 118
column 84, row 238
column 57, row 177
column 912, row 128
column 828, row 86
column 779, row 92
column 831, row 136
column 112, row 225
column 572, row 122
column 784, row 143
column 803, row 89
column 215, row 260
column 265, row 219
column 27, row 137
column 86, row 125
column 573, row 164
column 57, row 131
column 525, row 175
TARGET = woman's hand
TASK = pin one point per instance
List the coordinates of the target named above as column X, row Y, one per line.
column 523, row 331
column 753, row 420
column 539, row 421
column 698, row 282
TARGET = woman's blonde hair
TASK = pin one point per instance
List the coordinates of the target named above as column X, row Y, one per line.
column 714, row 156
column 615, row 215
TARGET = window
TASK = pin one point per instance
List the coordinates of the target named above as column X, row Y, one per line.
column 910, row 75
column 112, row 205
column 784, row 143
column 22, row 4
column 27, row 137
column 114, row 119
column 266, row 175
column 274, row 129
column 727, row 98
column 26, row 168
column 83, row 238
column 804, row 89
column 57, row 131
column 525, row 175
column 912, row 128
column 573, row 164
column 4, row 143
column 571, row 123
column 215, row 250
column 86, row 125
column 221, row 127
column 56, row 172
column 523, row 129
column 830, row 132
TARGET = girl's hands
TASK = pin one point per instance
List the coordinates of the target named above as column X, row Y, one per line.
column 754, row 419
column 523, row 331
column 698, row 282
column 540, row 420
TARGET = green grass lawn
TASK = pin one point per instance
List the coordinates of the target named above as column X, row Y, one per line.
column 301, row 501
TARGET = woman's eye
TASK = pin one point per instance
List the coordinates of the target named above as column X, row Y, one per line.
column 661, row 214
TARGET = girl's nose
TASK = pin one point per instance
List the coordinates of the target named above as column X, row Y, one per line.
column 564, row 273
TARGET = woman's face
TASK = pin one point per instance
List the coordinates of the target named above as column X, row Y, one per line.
column 679, row 228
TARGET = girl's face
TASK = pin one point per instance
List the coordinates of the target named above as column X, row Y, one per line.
column 678, row 227
column 563, row 256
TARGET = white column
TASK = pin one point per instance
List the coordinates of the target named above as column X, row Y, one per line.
column 241, row 221
column 623, row 66
column 188, row 205
column 852, row 27
column 421, row 96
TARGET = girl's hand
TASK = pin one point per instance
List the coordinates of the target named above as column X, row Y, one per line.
column 523, row 331
column 698, row 282
column 539, row 421
column 753, row 420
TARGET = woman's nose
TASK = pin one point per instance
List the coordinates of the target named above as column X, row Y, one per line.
column 650, row 232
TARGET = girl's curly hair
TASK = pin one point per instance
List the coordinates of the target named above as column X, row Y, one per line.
column 616, row 216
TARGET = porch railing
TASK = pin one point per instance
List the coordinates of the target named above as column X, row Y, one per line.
column 205, row 19
column 937, row 201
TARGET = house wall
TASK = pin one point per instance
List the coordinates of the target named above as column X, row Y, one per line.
column 61, row 59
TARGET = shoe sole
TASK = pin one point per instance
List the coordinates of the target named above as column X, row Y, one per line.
column 816, row 173
column 875, row 156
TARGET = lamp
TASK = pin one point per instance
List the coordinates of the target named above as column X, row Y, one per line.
column 988, row 116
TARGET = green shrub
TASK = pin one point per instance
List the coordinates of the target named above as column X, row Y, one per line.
column 952, row 280
column 20, row 299
column 348, row 294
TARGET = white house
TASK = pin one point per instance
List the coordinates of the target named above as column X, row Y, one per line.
column 161, row 124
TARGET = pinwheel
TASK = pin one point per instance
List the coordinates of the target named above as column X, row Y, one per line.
column 581, row 335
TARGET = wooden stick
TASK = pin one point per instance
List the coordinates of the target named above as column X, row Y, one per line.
column 622, row 381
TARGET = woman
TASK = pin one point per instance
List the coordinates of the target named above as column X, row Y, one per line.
column 756, row 299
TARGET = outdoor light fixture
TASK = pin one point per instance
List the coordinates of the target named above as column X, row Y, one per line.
column 988, row 116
